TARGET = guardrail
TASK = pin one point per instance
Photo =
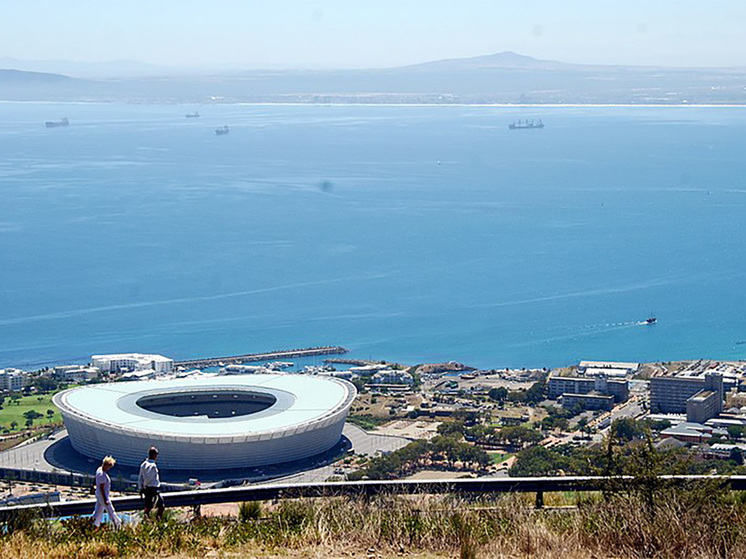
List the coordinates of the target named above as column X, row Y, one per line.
column 538, row 485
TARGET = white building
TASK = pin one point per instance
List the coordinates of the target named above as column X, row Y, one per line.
column 237, row 421
column 620, row 365
column 390, row 376
column 129, row 362
column 76, row 373
column 13, row 380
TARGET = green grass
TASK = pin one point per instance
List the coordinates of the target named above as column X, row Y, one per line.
column 14, row 412
column 499, row 457
column 367, row 421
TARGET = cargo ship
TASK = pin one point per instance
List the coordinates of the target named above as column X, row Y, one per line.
column 525, row 124
column 57, row 123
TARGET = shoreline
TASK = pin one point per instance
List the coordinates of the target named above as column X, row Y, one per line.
column 405, row 105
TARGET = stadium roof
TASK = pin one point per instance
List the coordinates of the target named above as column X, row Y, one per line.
column 300, row 399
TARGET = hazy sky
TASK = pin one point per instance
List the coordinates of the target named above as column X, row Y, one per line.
column 376, row 33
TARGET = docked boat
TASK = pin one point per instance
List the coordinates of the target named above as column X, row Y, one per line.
column 57, row 123
column 222, row 131
column 525, row 124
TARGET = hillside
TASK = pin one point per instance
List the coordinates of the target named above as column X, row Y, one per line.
column 498, row 78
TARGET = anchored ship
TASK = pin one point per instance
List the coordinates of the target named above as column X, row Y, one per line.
column 222, row 131
column 521, row 124
column 195, row 114
column 57, row 123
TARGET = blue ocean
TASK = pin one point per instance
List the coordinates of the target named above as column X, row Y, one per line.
column 416, row 234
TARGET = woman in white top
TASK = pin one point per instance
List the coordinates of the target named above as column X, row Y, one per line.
column 103, row 502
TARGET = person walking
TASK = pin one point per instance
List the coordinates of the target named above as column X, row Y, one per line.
column 103, row 500
column 149, row 484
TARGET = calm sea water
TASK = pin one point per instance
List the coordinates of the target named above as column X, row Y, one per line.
column 406, row 233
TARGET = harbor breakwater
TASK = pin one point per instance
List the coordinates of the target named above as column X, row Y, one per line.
column 253, row 357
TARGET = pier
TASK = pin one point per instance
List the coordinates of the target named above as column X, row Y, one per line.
column 251, row 357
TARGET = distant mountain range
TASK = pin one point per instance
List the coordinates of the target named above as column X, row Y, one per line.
column 503, row 60
column 92, row 70
column 21, row 77
column 505, row 77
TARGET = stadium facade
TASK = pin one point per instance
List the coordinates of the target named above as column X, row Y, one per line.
column 223, row 422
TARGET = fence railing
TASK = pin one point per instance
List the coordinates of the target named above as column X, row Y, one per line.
column 266, row 492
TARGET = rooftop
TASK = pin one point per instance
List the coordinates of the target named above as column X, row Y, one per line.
column 299, row 399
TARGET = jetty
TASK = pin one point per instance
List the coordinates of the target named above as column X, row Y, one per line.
column 250, row 357
column 356, row 362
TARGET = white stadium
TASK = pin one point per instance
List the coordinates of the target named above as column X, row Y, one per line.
column 222, row 422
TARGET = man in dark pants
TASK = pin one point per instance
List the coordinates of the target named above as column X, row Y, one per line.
column 149, row 484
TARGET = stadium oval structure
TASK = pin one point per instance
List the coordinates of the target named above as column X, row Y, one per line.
column 222, row 422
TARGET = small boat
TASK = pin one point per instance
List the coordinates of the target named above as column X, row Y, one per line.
column 651, row 320
column 57, row 123
column 195, row 114
column 222, row 131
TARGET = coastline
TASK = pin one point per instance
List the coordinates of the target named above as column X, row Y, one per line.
column 393, row 105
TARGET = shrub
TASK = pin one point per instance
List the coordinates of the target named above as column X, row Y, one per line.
column 249, row 510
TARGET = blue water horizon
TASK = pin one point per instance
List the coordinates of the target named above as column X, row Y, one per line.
column 406, row 233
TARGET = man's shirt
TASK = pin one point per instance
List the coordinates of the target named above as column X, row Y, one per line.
column 148, row 475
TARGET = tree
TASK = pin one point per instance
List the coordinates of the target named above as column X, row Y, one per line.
column 499, row 394
column 13, row 425
column 539, row 461
column 46, row 384
column 627, row 429
column 359, row 384
column 50, row 414
column 452, row 428
column 30, row 416
column 537, row 393
column 735, row 432
column 520, row 435
column 736, row 455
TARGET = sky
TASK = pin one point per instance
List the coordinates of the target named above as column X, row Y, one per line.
column 379, row 33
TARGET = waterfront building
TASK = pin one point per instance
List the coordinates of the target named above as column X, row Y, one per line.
column 13, row 380
column 617, row 388
column 75, row 373
column 559, row 386
column 588, row 401
column 704, row 405
column 670, row 394
column 128, row 362
column 390, row 376
column 610, row 372
column 613, row 368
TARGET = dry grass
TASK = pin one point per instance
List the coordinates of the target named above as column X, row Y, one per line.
column 701, row 522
